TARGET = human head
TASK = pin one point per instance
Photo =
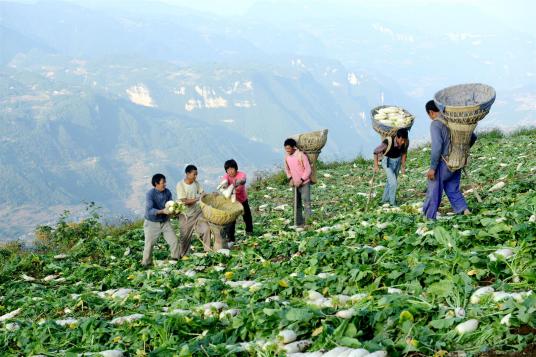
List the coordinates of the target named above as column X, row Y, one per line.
column 231, row 167
column 191, row 172
column 402, row 136
column 431, row 109
column 159, row 182
column 290, row 146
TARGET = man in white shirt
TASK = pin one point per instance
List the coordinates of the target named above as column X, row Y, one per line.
column 189, row 191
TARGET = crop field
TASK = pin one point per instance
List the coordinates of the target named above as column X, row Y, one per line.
column 384, row 279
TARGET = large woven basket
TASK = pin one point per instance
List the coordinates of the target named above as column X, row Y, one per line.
column 311, row 143
column 219, row 210
column 463, row 106
column 386, row 130
column 465, row 103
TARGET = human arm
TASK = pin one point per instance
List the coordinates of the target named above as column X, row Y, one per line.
column 403, row 163
column 150, row 205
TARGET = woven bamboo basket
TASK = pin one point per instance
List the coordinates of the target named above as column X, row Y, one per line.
column 386, row 130
column 311, row 143
column 219, row 210
column 463, row 106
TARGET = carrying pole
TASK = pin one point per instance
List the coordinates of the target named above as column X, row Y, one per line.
column 370, row 190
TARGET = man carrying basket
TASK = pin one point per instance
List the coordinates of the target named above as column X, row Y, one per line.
column 392, row 153
column 440, row 178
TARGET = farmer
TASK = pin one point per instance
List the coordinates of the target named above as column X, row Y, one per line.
column 298, row 172
column 440, row 178
column 238, row 180
column 157, row 221
column 189, row 191
column 395, row 150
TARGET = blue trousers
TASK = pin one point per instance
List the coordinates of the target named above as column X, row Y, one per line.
column 447, row 181
column 391, row 168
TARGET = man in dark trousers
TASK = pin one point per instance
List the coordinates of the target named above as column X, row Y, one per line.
column 440, row 178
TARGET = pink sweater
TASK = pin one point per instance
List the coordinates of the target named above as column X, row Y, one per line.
column 241, row 193
column 297, row 166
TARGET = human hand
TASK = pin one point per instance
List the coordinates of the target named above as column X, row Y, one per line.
column 431, row 174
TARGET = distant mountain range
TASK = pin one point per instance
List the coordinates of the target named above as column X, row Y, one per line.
column 93, row 101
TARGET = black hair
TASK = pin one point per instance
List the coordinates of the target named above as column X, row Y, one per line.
column 402, row 133
column 157, row 178
column 290, row 142
column 190, row 168
column 431, row 107
column 230, row 163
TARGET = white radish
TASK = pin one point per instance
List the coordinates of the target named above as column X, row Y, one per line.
column 298, row 346
column 479, row 293
column 338, row 352
column 500, row 296
column 111, row 353
column 503, row 253
column 10, row 315
column 360, row 352
column 499, row 185
column 459, row 312
column 506, row 320
column 358, row 297
column 287, row 336
column 467, row 326
column 126, row 319
column 27, row 278
column 306, row 354
column 345, row 314
column 394, row 291
column 229, row 313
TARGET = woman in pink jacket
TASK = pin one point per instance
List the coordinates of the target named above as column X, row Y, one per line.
column 298, row 172
column 238, row 180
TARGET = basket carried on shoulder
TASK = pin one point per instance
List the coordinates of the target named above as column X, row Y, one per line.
column 219, row 210
column 387, row 130
column 311, row 144
column 463, row 106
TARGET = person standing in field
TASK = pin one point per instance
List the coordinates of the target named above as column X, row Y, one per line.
column 440, row 178
column 157, row 220
column 392, row 153
column 238, row 180
column 298, row 171
column 189, row 191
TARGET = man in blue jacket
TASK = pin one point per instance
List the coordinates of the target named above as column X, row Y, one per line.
column 157, row 220
column 440, row 178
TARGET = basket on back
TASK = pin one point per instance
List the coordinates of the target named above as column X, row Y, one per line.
column 311, row 144
column 219, row 210
column 463, row 106
column 387, row 119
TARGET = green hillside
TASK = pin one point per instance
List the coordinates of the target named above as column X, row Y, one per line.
column 406, row 282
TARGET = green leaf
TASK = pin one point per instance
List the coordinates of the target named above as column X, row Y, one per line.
column 349, row 342
column 351, row 330
column 442, row 323
column 442, row 288
column 298, row 315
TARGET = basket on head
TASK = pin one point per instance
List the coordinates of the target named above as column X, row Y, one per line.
column 311, row 143
column 465, row 103
column 463, row 106
column 219, row 210
column 387, row 130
